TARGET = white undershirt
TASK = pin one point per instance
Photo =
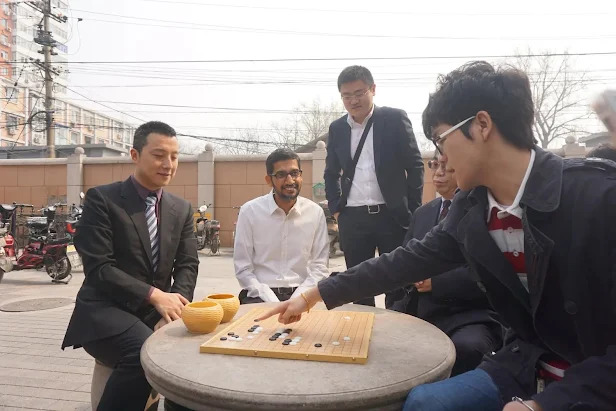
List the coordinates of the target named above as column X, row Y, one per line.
column 365, row 189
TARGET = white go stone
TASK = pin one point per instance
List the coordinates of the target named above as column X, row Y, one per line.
column 238, row 339
column 347, row 338
column 336, row 343
column 347, row 318
column 292, row 343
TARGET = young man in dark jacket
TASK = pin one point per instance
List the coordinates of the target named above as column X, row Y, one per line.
column 537, row 230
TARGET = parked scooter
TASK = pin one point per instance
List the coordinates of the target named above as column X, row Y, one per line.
column 207, row 231
column 332, row 229
column 71, row 229
column 44, row 248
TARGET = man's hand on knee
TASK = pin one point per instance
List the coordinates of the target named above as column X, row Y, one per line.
column 169, row 305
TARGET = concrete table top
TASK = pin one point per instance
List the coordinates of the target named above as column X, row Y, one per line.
column 404, row 352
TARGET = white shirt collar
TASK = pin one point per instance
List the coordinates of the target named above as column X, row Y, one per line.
column 272, row 206
column 353, row 123
column 514, row 208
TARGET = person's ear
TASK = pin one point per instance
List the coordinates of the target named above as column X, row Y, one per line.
column 134, row 155
column 484, row 123
column 268, row 181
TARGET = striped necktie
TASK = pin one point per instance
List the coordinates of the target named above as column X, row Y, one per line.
column 152, row 223
column 444, row 211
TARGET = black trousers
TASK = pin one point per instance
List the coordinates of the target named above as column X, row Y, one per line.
column 127, row 387
column 472, row 342
column 281, row 293
column 362, row 233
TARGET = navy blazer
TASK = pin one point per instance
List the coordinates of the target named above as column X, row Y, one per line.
column 455, row 300
column 398, row 164
column 569, row 210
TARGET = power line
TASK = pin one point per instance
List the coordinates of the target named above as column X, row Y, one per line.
column 104, row 105
column 210, row 27
column 392, row 12
column 274, row 60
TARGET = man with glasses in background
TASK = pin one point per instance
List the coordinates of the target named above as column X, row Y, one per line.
column 281, row 243
column 382, row 173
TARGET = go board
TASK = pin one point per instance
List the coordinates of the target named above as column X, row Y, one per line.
column 331, row 336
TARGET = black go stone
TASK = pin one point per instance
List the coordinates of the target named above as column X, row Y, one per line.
column 288, row 331
column 223, row 338
column 318, row 345
column 251, row 330
column 230, row 333
column 286, row 342
column 256, row 320
column 272, row 339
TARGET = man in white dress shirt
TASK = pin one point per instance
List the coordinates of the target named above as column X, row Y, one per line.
column 281, row 244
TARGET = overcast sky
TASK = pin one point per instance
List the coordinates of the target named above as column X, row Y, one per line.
column 364, row 32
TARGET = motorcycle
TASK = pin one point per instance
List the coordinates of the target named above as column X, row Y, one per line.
column 44, row 248
column 332, row 229
column 7, row 239
column 207, row 231
column 71, row 229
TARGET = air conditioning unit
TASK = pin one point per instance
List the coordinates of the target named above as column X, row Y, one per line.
column 36, row 140
column 11, row 130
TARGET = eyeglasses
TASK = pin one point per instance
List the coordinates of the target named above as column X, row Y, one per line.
column 435, row 165
column 282, row 175
column 440, row 139
column 356, row 95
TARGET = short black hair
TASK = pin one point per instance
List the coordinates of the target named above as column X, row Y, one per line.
column 504, row 93
column 140, row 138
column 353, row 73
column 605, row 150
column 280, row 154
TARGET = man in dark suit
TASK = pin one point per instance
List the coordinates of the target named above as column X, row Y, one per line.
column 373, row 202
column 129, row 265
column 451, row 301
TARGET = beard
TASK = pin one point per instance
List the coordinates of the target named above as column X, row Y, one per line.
column 283, row 196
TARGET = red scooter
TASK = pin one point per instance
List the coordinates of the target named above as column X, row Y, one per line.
column 44, row 248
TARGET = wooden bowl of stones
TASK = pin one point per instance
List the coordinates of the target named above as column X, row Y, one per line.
column 229, row 303
column 202, row 317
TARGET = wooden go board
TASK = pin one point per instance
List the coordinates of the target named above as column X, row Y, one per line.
column 344, row 337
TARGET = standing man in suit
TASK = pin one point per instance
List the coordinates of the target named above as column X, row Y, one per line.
column 451, row 301
column 372, row 202
column 134, row 238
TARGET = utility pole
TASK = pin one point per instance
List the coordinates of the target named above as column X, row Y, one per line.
column 44, row 37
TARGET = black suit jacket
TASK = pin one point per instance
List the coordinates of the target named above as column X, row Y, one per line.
column 455, row 299
column 114, row 244
column 398, row 163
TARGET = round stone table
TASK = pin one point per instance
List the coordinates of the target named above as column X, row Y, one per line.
column 404, row 352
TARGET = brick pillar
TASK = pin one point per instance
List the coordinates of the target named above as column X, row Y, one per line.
column 205, row 178
column 74, row 176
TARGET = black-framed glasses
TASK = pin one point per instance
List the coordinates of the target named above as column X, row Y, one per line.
column 357, row 95
column 282, row 175
column 436, row 165
column 440, row 139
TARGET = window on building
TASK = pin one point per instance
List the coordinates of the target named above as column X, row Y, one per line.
column 4, row 71
column 12, row 123
column 4, row 23
column 75, row 138
column 4, row 40
column 12, row 94
column 89, row 139
column 4, row 55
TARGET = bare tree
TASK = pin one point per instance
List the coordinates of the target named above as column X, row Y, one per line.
column 308, row 122
column 556, row 89
column 244, row 141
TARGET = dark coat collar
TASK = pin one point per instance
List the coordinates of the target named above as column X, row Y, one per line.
column 544, row 185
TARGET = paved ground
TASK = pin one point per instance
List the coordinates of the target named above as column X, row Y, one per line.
column 34, row 372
